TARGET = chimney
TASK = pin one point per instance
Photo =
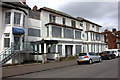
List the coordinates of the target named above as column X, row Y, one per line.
column 24, row 1
column 113, row 30
column 35, row 8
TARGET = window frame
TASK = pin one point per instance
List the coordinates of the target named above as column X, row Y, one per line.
column 7, row 18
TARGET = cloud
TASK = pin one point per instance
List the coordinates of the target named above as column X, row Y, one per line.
column 102, row 13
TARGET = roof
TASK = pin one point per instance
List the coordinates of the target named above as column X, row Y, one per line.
column 63, row 26
column 93, row 31
column 83, row 19
column 58, row 12
column 66, row 15
column 17, row 4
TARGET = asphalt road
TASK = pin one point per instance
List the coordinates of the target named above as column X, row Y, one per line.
column 105, row 69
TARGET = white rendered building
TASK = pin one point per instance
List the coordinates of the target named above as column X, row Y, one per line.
column 47, row 31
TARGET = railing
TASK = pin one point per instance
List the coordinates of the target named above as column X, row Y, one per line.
column 14, row 49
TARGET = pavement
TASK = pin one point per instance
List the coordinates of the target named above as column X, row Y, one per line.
column 64, row 69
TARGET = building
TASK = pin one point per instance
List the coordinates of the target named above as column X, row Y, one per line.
column 44, row 30
column 112, row 38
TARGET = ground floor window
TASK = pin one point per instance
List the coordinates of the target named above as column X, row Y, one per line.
column 78, row 49
column 60, row 50
column 6, row 42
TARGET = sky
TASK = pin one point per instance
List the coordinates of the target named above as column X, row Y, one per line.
column 102, row 12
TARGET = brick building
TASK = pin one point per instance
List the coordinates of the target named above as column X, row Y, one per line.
column 112, row 38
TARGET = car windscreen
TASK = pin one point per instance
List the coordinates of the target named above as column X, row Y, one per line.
column 118, row 50
column 82, row 54
column 106, row 52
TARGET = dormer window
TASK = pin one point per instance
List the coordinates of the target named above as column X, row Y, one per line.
column 73, row 23
column 63, row 21
column 52, row 18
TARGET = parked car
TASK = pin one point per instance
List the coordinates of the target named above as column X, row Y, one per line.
column 115, row 51
column 119, row 52
column 108, row 55
column 89, row 57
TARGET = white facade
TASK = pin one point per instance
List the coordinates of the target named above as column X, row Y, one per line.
column 72, row 38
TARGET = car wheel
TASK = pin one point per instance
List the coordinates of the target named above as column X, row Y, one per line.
column 100, row 60
column 110, row 58
column 90, row 61
column 78, row 63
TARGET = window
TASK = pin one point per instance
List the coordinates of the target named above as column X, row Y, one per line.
column 68, row 33
column 78, row 49
column 106, row 40
column 60, row 50
column 81, row 24
column 52, row 18
column 64, row 21
column 47, row 31
column 91, row 36
column 6, row 42
column 24, row 20
column 7, row 34
column 93, row 26
column 87, row 26
column 17, row 17
column 56, row 31
column 54, row 48
column 87, row 35
column 77, row 34
column 7, row 17
column 83, row 54
column 33, row 32
column 73, row 23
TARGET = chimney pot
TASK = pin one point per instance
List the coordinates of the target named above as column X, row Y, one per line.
column 113, row 30
column 35, row 8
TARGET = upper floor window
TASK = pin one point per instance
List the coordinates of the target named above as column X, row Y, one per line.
column 23, row 20
column 64, row 21
column 81, row 24
column 97, row 29
column 78, row 34
column 93, row 26
column 34, row 32
column 52, row 18
column 87, row 26
column 73, row 23
column 17, row 17
column 7, row 17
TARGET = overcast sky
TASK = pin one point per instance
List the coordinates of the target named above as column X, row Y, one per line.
column 104, row 13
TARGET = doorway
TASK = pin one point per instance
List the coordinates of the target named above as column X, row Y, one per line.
column 17, row 42
column 68, row 50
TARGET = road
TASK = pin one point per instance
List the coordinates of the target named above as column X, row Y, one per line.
column 105, row 69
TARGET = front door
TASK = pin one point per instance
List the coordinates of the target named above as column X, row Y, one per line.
column 68, row 51
column 17, row 42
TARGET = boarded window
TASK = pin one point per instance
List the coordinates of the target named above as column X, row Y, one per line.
column 60, row 50
column 68, row 33
column 87, row 26
column 56, row 31
column 77, row 34
column 6, row 42
column 33, row 32
column 78, row 49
